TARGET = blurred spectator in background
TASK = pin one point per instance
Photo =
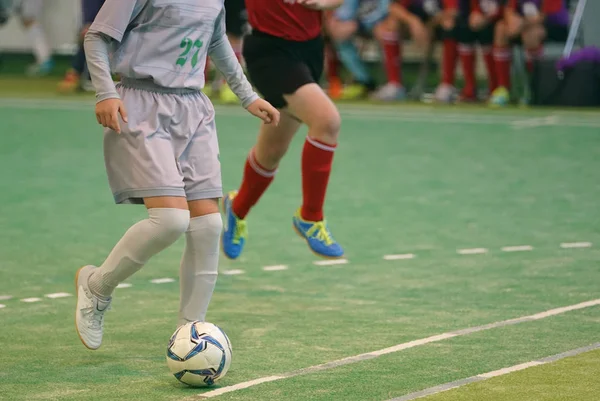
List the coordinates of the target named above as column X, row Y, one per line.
column 427, row 21
column 476, row 25
column 75, row 78
column 30, row 13
column 371, row 17
column 529, row 22
column 236, row 25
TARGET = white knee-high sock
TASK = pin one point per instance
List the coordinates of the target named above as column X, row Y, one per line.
column 142, row 241
column 199, row 267
column 37, row 36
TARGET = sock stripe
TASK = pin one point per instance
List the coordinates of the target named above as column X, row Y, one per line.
column 465, row 48
column 257, row 167
column 320, row 145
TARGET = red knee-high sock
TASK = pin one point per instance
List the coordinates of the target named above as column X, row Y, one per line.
column 490, row 66
column 317, row 159
column 502, row 59
column 449, row 57
column 531, row 55
column 255, row 182
column 391, row 57
column 467, row 60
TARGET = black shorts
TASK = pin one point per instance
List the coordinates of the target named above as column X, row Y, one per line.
column 236, row 17
column 440, row 33
column 555, row 32
column 484, row 36
column 278, row 67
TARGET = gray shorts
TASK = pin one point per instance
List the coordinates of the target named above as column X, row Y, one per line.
column 168, row 148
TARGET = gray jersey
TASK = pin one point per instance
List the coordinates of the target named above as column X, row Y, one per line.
column 168, row 42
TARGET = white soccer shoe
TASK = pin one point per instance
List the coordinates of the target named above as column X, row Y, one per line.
column 89, row 314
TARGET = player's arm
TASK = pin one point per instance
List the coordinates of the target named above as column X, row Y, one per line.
column 110, row 25
column 320, row 4
column 222, row 55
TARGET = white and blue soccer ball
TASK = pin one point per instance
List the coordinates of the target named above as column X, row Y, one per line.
column 199, row 354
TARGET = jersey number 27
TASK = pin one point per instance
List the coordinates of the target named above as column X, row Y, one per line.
column 188, row 44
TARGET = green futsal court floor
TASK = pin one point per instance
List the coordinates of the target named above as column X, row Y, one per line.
column 472, row 262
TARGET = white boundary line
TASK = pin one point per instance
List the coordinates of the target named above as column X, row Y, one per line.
column 58, row 295
column 500, row 372
column 275, row 268
column 164, row 280
column 396, row 348
column 472, row 251
column 331, row 262
column 567, row 245
column 519, row 248
column 403, row 256
column 234, row 272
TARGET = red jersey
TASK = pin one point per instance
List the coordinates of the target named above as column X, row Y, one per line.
column 284, row 19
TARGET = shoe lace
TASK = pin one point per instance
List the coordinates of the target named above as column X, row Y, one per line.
column 96, row 317
column 320, row 232
column 240, row 231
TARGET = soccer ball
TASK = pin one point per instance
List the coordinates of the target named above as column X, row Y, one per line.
column 199, row 354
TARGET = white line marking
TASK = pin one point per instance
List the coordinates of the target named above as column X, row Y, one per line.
column 500, row 372
column 399, row 347
column 58, row 295
column 472, row 251
column 2, row 306
column 162, row 280
column 233, row 272
column 519, row 248
column 5, row 297
column 275, row 268
column 536, row 122
column 399, row 257
column 510, row 369
column 569, row 245
column 30, row 300
column 124, row 285
column 331, row 262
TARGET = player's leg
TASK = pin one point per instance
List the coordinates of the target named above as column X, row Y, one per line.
column 446, row 92
column 72, row 79
column 141, row 169
column 341, row 27
column 502, row 61
column 312, row 106
column 199, row 265
column 485, row 38
column 31, row 13
column 466, row 51
column 259, row 171
column 533, row 37
column 386, row 31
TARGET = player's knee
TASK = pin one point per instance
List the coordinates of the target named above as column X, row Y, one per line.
column 327, row 126
column 213, row 225
column 172, row 223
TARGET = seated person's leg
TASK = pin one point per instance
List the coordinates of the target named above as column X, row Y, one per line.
column 387, row 34
column 466, row 50
column 484, row 26
column 342, row 27
column 503, row 31
column 447, row 30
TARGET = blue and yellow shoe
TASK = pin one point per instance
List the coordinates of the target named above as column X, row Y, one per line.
column 235, row 231
column 318, row 237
